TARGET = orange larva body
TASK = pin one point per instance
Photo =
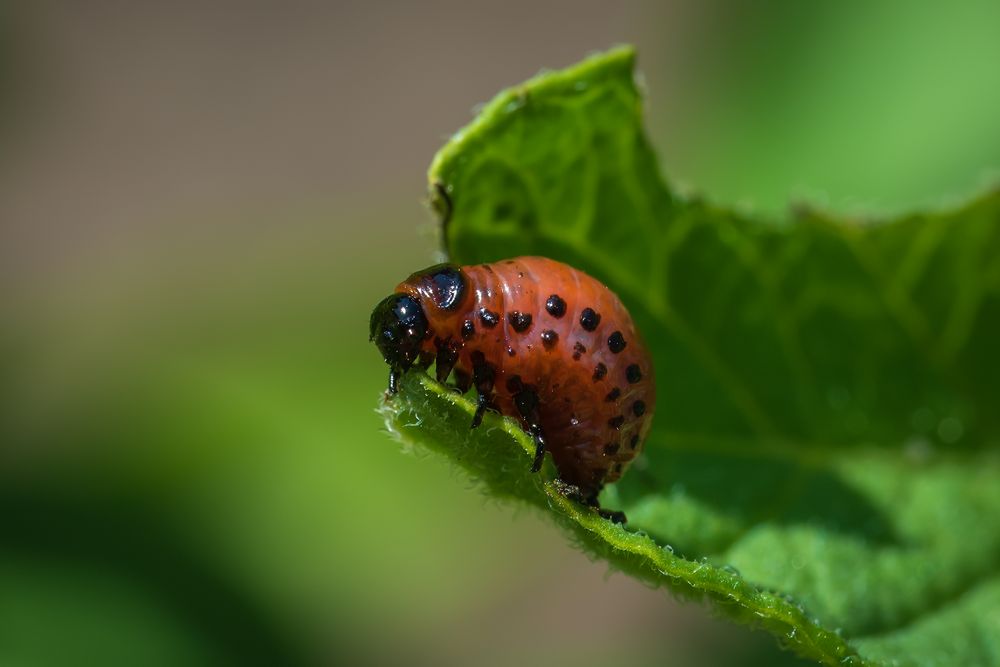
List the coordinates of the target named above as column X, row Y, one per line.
column 542, row 327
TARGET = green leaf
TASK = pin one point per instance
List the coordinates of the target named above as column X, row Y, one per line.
column 824, row 457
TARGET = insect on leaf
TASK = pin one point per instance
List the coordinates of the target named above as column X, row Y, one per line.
column 824, row 458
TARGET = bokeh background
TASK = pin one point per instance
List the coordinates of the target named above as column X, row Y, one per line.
column 200, row 203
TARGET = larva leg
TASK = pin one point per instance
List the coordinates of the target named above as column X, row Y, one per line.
column 445, row 360
column 526, row 401
column 536, row 434
column 482, row 403
column 463, row 381
column 571, row 491
column 483, row 377
column 394, row 376
column 574, row 493
column 615, row 516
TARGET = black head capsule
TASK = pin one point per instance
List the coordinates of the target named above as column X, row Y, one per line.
column 398, row 327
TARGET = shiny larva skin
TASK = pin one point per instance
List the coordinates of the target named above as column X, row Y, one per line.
column 547, row 329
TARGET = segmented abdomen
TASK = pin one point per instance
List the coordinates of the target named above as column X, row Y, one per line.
column 541, row 324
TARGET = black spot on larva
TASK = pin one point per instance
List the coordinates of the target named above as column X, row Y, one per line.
column 616, row 422
column 489, row 269
column 514, row 384
column 600, row 371
column 488, row 318
column 613, row 395
column 510, row 351
column 578, row 350
column 634, row 441
column 639, row 408
column 616, row 342
column 519, row 321
column 468, row 330
column 555, row 306
column 611, row 448
column 443, row 283
column 633, row 374
column 520, row 274
column 589, row 319
column 549, row 338
column 618, row 467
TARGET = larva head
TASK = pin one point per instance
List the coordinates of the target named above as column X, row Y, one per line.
column 398, row 327
column 402, row 324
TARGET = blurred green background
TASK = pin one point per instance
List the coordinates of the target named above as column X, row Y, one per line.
column 200, row 204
